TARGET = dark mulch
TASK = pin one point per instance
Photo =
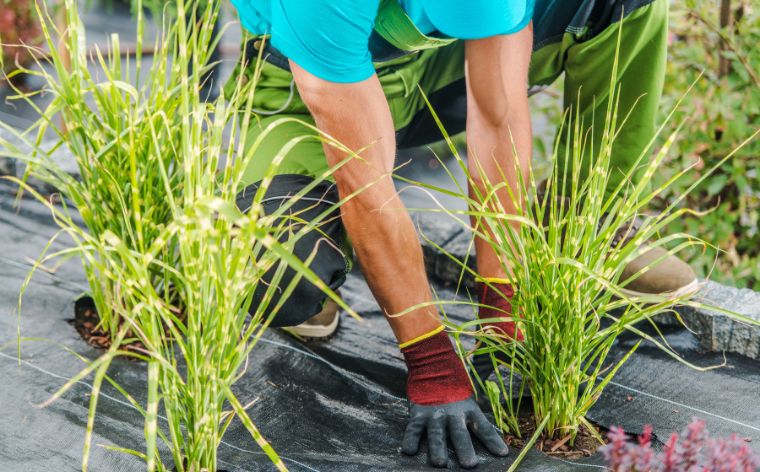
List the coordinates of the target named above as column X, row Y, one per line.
column 87, row 323
column 585, row 445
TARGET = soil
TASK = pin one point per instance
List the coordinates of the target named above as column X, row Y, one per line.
column 586, row 444
column 86, row 321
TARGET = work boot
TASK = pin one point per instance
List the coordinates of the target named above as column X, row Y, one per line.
column 666, row 274
column 322, row 325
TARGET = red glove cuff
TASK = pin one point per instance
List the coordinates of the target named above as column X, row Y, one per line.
column 498, row 300
column 436, row 374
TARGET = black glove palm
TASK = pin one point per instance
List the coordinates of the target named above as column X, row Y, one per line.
column 455, row 421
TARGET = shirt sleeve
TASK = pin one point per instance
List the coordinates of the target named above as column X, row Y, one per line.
column 476, row 19
column 528, row 15
column 328, row 38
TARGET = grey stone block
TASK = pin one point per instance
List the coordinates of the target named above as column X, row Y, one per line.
column 719, row 332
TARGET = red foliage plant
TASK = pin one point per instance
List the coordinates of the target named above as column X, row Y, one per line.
column 691, row 451
column 19, row 27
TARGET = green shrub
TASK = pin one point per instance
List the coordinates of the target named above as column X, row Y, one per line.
column 721, row 112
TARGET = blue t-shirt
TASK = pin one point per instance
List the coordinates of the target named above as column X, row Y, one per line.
column 329, row 38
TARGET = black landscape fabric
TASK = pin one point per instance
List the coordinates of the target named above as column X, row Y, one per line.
column 329, row 406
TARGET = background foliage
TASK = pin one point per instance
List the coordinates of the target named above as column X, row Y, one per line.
column 18, row 25
column 720, row 113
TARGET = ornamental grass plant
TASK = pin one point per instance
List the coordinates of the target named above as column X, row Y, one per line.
column 565, row 255
column 171, row 261
column 121, row 125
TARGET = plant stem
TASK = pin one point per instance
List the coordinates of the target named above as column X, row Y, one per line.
column 526, row 448
column 724, row 65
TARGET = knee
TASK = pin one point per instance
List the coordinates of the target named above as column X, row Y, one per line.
column 303, row 299
column 304, row 302
column 655, row 12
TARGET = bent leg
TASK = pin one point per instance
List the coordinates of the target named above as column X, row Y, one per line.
column 281, row 119
column 640, row 74
column 324, row 249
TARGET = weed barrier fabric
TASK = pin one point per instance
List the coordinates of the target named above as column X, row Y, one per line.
column 326, row 406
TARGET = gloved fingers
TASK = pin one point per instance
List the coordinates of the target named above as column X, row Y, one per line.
column 414, row 429
column 436, row 434
column 460, row 438
column 487, row 433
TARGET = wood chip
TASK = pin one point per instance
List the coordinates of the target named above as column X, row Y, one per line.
column 560, row 443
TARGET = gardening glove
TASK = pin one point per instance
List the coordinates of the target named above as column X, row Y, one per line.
column 441, row 403
column 496, row 297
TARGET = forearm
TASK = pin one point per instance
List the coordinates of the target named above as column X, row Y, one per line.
column 500, row 151
column 380, row 229
column 499, row 134
column 389, row 253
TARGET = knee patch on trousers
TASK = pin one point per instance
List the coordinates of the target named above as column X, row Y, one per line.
column 325, row 249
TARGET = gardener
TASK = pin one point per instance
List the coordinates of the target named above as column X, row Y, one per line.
column 353, row 68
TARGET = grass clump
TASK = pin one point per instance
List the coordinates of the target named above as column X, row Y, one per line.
column 563, row 249
column 121, row 126
column 171, row 261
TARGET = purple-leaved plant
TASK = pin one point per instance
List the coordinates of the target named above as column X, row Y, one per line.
column 691, row 451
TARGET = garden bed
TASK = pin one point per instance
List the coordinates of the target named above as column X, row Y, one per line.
column 586, row 444
column 336, row 406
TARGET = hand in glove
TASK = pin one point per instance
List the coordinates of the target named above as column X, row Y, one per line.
column 441, row 403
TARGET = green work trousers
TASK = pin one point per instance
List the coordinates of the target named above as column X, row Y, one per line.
column 577, row 37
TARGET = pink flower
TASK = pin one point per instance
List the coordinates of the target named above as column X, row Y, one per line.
column 7, row 16
column 670, row 456
column 691, row 451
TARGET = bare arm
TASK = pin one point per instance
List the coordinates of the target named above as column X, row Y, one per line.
column 381, row 231
column 497, row 117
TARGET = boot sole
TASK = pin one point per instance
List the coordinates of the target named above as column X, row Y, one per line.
column 312, row 331
column 688, row 289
